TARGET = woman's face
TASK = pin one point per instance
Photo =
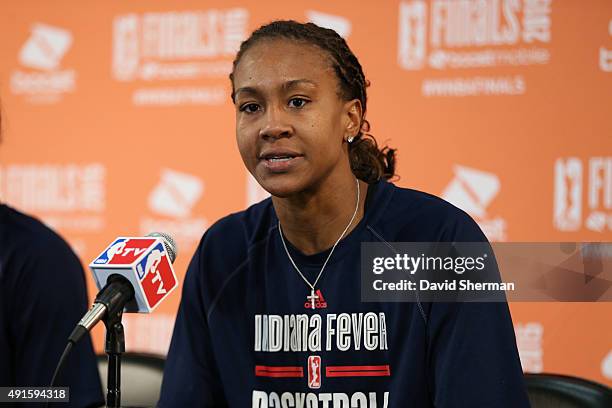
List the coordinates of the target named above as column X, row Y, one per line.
column 290, row 120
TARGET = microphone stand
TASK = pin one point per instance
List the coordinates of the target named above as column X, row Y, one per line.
column 115, row 345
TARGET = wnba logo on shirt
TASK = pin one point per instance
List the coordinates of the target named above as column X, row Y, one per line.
column 314, row 372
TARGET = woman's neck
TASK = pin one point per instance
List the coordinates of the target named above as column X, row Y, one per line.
column 313, row 221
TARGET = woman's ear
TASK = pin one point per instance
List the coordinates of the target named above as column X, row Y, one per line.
column 353, row 114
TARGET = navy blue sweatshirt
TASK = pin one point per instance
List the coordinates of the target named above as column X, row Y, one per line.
column 42, row 298
column 247, row 336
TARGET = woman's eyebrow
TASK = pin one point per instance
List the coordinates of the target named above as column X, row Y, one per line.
column 246, row 89
column 286, row 86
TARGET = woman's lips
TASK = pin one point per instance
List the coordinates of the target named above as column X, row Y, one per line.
column 281, row 165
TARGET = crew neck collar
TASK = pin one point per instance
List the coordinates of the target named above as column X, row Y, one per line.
column 377, row 197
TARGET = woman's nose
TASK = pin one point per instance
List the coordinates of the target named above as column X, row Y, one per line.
column 275, row 125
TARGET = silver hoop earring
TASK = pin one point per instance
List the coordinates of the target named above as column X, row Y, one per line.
column 350, row 139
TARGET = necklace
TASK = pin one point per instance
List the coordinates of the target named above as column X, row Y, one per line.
column 312, row 286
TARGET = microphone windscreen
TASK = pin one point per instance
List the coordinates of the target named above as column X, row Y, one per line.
column 168, row 242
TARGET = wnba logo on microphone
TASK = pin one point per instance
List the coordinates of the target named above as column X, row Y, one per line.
column 145, row 262
column 116, row 248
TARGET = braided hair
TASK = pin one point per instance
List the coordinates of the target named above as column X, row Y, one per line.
column 368, row 162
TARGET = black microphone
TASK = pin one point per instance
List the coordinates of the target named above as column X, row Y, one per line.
column 122, row 265
column 136, row 274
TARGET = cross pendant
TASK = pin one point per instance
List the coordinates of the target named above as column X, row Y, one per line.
column 312, row 298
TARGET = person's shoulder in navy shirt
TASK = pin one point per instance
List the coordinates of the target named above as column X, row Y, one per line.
column 42, row 297
column 439, row 354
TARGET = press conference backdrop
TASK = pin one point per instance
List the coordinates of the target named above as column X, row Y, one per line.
column 118, row 120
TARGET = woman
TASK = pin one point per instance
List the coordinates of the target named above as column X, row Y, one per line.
column 271, row 314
